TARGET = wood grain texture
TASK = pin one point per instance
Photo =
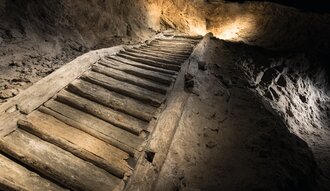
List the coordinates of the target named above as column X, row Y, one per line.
column 77, row 142
column 56, row 163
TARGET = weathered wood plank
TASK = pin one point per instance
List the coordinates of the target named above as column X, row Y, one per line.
column 140, row 65
column 93, row 126
column 155, row 54
column 176, row 40
column 157, row 59
column 129, row 78
column 144, row 49
column 112, row 99
column 150, row 62
column 166, row 79
column 196, row 38
column 116, row 118
column 144, row 95
column 16, row 177
column 166, row 50
column 8, row 122
column 183, row 45
column 173, row 48
column 148, row 49
column 56, row 163
column 76, row 142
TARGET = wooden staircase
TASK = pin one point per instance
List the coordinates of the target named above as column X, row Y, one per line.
column 91, row 133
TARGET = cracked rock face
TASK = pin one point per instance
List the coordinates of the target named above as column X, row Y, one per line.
column 299, row 93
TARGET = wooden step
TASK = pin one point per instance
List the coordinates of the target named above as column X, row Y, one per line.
column 56, row 163
column 157, row 59
column 176, row 40
column 155, row 52
column 77, row 142
column 16, row 177
column 184, row 37
column 112, row 99
column 163, row 51
column 142, row 66
column 150, row 62
column 173, row 41
column 100, row 129
column 130, row 67
column 166, row 50
column 129, row 78
column 160, row 55
column 116, row 118
column 144, row 95
column 180, row 44
column 171, row 47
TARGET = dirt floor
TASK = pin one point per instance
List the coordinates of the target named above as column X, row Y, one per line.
column 230, row 137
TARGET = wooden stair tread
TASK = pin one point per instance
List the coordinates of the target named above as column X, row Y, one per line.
column 129, row 78
column 160, row 55
column 151, row 62
column 77, row 142
column 155, row 52
column 16, row 177
column 120, row 64
column 112, row 99
column 174, row 48
column 142, row 66
column 56, row 163
column 94, row 126
column 166, row 50
column 154, row 58
column 147, row 96
column 116, row 118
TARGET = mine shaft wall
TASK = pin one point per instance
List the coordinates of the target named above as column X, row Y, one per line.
column 263, row 24
column 89, row 23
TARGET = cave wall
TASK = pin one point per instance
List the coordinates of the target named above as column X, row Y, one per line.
column 263, row 24
column 37, row 37
column 89, row 22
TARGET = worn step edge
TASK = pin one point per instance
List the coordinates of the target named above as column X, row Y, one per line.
column 160, row 55
column 153, row 58
column 155, row 52
column 16, row 177
column 114, row 163
column 116, row 118
column 113, row 100
column 175, row 68
column 141, row 94
column 173, row 44
column 56, row 163
column 129, row 78
column 105, row 132
column 152, row 48
column 173, row 48
column 140, row 65
column 158, row 77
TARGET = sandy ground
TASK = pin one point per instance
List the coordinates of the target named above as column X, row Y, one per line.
column 229, row 139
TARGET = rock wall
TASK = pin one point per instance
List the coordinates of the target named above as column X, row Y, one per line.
column 37, row 37
column 263, row 24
